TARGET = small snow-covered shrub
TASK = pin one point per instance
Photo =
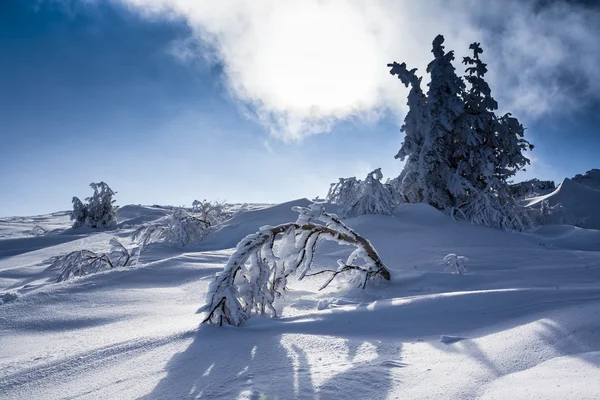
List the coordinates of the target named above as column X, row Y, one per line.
column 344, row 191
column 99, row 211
column 355, row 197
column 85, row 262
column 38, row 231
column 211, row 212
column 257, row 272
column 8, row 297
column 180, row 229
column 457, row 263
column 547, row 214
column 373, row 197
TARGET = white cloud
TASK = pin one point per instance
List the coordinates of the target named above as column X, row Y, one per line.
column 301, row 66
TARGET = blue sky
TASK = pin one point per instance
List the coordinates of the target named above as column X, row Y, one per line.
column 169, row 102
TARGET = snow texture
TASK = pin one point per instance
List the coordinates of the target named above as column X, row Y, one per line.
column 527, row 314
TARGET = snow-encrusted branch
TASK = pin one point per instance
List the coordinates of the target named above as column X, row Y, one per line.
column 85, row 262
column 256, row 273
column 457, row 263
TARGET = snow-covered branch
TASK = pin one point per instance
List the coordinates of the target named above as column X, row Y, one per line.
column 257, row 272
column 85, row 262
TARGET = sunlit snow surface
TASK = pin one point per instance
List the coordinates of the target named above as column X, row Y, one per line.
column 524, row 323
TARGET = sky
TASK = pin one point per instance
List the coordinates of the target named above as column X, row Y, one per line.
column 265, row 101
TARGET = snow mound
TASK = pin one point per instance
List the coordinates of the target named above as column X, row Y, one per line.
column 248, row 222
column 131, row 215
column 581, row 202
column 569, row 237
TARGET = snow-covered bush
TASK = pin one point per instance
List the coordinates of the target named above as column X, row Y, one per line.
column 489, row 209
column 344, row 191
column 459, row 153
column 456, row 263
column 545, row 213
column 257, row 272
column 372, row 197
column 99, row 211
column 211, row 212
column 85, row 262
column 355, row 197
column 180, row 229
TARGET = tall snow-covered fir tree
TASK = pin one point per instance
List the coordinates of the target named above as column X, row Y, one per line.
column 409, row 183
column 459, row 153
column 443, row 108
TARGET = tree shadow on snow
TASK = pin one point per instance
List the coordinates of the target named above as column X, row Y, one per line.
column 231, row 363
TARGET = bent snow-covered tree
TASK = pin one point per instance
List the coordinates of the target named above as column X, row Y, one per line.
column 257, row 272
column 86, row 262
column 460, row 154
column 99, row 211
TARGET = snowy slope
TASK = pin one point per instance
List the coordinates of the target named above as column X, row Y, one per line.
column 524, row 323
column 580, row 201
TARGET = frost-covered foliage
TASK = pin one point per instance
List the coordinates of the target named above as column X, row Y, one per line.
column 531, row 187
column 256, row 273
column 99, row 211
column 547, row 214
column 456, row 263
column 85, row 262
column 459, row 153
column 409, row 183
column 355, row 197
column 344, row 191
column 180, row 229
column 211, row 212
column 372, row 197
column 488, row 209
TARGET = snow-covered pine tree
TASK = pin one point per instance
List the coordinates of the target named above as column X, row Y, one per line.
column 99, row 211
column 460, row 154
column 79, row 213
column 489, row 152
column 102, row 212
column 443, row 108
column 414, row 128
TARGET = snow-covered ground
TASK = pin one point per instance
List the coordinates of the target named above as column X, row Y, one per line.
column 524, row 323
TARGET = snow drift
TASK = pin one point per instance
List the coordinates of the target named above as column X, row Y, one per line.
column 581, row 202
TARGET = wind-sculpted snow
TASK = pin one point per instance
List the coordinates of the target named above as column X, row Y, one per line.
column 522, row 323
